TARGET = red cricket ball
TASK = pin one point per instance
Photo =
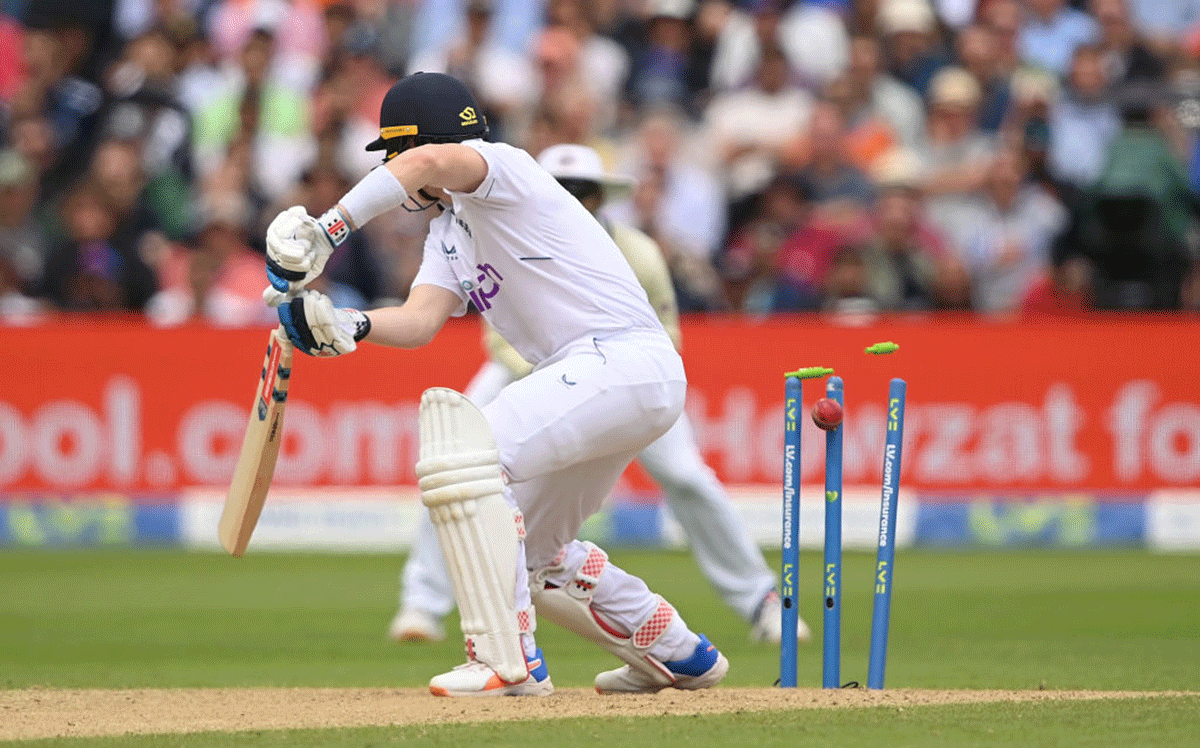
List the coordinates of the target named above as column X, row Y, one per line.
column 827, row 414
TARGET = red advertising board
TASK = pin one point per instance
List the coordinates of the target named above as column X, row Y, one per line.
column 1096, row 404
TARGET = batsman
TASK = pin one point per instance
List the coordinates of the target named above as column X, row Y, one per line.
column 508, row 486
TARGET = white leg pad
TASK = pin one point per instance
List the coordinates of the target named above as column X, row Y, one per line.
column 570, row 606
column 460, row 480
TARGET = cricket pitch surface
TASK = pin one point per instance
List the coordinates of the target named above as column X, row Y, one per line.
column 50, row 712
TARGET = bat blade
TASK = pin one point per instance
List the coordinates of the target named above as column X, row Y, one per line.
column 260, row 448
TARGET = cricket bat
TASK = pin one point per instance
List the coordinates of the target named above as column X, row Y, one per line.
column 260, row 448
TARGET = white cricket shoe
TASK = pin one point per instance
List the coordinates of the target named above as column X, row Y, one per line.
column 477, row 679
column 768, row 624
column 413, row 625
column 704, row 669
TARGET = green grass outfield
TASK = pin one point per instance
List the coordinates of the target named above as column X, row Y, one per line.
column 1109, row 621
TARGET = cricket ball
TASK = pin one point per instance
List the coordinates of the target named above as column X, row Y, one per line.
column 827, row 414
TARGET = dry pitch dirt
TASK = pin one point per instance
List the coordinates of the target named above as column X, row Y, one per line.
column 43, row 713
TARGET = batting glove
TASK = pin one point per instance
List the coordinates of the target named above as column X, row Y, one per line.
column 298, row 246
column 316, row 327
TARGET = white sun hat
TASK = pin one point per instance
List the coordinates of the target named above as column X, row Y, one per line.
column 573, row 161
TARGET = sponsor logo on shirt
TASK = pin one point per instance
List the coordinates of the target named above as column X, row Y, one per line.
column 481, row 295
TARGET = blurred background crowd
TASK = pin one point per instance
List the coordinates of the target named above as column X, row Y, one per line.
column 999, row 156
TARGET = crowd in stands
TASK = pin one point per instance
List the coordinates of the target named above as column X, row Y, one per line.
column 999, row 156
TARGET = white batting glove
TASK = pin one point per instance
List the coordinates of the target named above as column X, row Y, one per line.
column 318, row 328
column 298, row 246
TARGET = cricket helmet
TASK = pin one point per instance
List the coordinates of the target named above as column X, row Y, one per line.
column 427, row 108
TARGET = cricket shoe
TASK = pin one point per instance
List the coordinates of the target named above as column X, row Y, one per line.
column 477, row 679
column 414, row 625
column 768, row 624
column 704, row 669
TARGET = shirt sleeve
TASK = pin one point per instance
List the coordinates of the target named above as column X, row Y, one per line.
column 506, row 184
column 435, row 271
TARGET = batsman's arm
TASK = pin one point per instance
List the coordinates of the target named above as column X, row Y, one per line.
column 450, row 166
column 414, row 323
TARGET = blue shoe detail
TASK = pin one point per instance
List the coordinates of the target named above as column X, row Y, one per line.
column 537, row 666
column 699, row 663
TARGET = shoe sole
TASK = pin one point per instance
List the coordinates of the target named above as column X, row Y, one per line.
column 538, row 688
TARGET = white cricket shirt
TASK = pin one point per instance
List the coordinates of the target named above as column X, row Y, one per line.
column 532, row 259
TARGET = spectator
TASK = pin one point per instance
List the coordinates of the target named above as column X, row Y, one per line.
column 867, row 135
column 833, row 178
column 1050, row 33
column 687, row 213
column 22, row 238
column 906, row 264
column 846, row 290
column 145, row 111
column 957, row 14
column 813, row 40
column 16, row 307
column 503, row 81
column 1083, row 122
column 347, row 102
column 12, row 44
column 61, row 100
column 604, row 63
column 133, row 18
column 1163, row 23
column 219, row 279
column 662, row 67
column 1135, row 222
column 1009, row 248
column 298, row 27
column 747, row 129
column 955, row 152
column 94, row 268
column 907, row 30
column 1065, row 289
column 432, row 23
column 273, row 121
column 394, row 22
column 1126, row 57
column 778, row 261
column 877, row 93
column 198, row 79
column 977, row 55
column 1003, row 19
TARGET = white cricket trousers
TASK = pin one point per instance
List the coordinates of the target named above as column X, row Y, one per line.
column 565, row 434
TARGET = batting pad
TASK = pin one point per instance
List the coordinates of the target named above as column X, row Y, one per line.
column 459, row 477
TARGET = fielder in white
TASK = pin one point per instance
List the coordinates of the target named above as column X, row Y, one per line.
column 718, row 537
column 509, row 486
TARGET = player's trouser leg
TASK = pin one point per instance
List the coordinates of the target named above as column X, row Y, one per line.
column 565, row 434
column 716, row 532
column 426, row 585
column 480, row 533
